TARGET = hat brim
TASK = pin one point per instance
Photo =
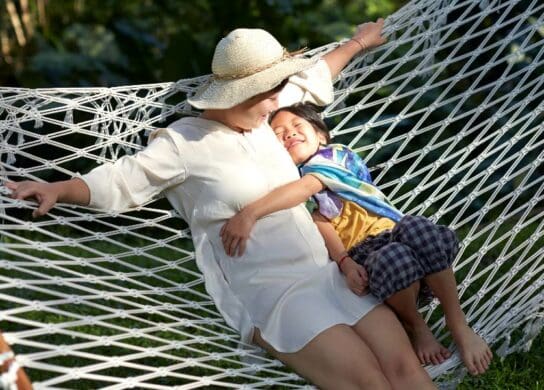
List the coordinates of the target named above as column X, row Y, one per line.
column 223, row 94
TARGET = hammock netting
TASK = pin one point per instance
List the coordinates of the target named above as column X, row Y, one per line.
column 449, row 113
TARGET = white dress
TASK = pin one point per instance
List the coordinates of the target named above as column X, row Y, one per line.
column 284, row 284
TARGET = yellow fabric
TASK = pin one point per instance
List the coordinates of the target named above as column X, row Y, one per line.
column 354, row 224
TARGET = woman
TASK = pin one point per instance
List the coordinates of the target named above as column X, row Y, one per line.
column 283, row 294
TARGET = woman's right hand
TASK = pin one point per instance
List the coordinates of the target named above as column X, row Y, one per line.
column 46, row 194
column 356, row 276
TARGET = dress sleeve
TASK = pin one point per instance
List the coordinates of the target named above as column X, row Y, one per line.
column 312, row 85
column 133, row 180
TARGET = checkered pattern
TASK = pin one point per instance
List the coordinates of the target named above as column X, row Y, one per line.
column 395, row 259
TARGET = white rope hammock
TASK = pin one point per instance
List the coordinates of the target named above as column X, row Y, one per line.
column 454, row 101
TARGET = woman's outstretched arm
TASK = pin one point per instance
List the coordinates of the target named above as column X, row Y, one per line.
column 73, row 191
column 128, row 182
column 368, row 35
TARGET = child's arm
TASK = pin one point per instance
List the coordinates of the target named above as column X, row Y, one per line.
column 356, row 275
column 235, row 232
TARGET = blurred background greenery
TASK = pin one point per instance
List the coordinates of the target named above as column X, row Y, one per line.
column 107, row 42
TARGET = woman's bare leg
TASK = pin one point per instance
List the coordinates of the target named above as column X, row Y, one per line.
column 474, row 350
column 337, row 358
column 426, row 346
column 383, row 333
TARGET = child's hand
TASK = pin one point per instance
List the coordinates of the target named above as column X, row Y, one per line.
column 356, row 276
column 369, row 35
column 235, row 232
column 46, row 194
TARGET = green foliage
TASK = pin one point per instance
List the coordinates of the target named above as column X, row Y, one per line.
column 519, row 371
column 108, row 43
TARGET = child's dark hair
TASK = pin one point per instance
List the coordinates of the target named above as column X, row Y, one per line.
column 309, row 112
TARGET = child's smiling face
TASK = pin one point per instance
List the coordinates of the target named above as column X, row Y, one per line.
column 297, row 135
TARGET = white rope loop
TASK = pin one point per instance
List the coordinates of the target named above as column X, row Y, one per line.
column 8, row 379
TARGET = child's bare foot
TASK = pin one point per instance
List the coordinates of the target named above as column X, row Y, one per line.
column 473, row 349
column 427, row 347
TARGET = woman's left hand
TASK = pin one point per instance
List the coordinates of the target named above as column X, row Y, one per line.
column 369, row 35
column 235, row 233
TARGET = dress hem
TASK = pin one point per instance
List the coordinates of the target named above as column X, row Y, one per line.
column 317, row 333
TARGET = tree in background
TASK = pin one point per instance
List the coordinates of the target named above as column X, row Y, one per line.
column 108, row 42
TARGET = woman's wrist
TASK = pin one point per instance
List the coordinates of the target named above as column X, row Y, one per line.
column 74, row 190
column 250, row 213
column 362, row 44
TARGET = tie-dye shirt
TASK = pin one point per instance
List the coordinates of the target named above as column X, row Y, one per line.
column 347, row 178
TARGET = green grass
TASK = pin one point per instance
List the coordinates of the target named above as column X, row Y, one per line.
column 517, row 371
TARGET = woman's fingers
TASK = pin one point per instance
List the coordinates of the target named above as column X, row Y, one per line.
column 25, row 192
column 230, row 243
column 11, row 185
column 370, row 34
column 226, row 240
column 45, row 205
column 242, row 246
column 29, row 189
column 22, row 189
column 233, row 245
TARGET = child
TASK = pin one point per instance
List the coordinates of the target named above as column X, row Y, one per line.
column 399, row 252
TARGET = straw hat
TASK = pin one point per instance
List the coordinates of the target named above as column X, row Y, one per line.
column 246, row 63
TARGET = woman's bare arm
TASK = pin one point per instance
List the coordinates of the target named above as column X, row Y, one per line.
column 368, row 35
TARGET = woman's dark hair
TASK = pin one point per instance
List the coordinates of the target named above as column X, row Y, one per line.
column 309, row 112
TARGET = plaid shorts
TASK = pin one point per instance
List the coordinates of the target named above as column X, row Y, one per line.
column 414, row 248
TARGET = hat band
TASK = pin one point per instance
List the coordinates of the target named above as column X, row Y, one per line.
column 253, row 71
